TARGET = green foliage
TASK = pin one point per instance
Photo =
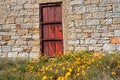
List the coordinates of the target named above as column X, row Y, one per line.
column 79, row 65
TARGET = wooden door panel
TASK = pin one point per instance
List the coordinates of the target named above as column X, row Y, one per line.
column 58, row 31
column 51, row 31
column 59, row 47
column 45, row 14
column 51, row 14
column 45, row 32
column 58, row 15
column 46, row 48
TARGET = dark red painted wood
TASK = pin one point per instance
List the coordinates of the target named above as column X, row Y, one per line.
column 51, row 29
column 45, row 14
column 51, row 14
column 58, row 15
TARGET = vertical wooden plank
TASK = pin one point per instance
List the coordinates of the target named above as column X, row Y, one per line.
column 51, row 14
column 58, row 31
column 45, row 32
column 51, row 31
column 45, row 14
column 59, row 47
column 51, row 48
column 46, row 48
column 58, row 14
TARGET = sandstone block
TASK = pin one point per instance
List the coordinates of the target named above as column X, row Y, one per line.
column 21, row 42
column 80, row 2
column 6, row 48
column 6, row 38
column 10, row 20
column 16, row 49
column 34, row 31
column 31, row 6
column 116, row 20
column 109, row 47
column 86, row 2
column 73, row 42
column 34, row 55
column 2, row 21
column 92, row 8
column 99, row 15
column 90, row 41
column 95, row 2
column 71, row 48
column 36, row 49
column 0, row 37
column 0, row 49
column 74, row 17
column 15, row 37
column 118, row 47
column 12, row 55
column 23, row 32
column 11, row 42
column 36, row 36
column 3, row 43
column 87, row 16
column 18, row 26
column 116, row 32
column 112, row 15
column 115, row 40
column 77, row 9
column 36, row 42
column 92, row 22
column 116, row 7
column 27, row 50
column 23, row 55
column 8, row 26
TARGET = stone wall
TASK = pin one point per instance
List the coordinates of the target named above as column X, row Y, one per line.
column 87, row 24
column 94, row 25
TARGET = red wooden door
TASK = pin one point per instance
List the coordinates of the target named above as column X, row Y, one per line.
column 51, row 29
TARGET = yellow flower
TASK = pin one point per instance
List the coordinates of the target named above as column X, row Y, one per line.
column 56, row 71
column 83, row 73
column 113, row 73
column 14, row 69
column 61, row 78
column 63, row 68
column 44, row 78
column 67, row 74
column 70, row 69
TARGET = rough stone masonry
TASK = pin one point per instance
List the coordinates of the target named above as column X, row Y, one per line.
column 87, row 24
